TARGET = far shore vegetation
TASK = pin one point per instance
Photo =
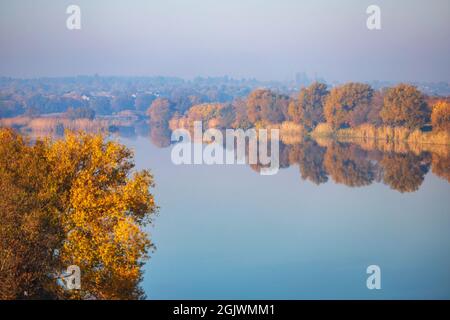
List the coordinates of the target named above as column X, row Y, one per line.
column 351, row 110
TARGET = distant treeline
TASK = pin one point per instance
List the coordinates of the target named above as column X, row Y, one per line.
column 108, row 95
column 346, row 106
column 351, row 109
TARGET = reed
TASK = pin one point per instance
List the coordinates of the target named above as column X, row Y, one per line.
column 393, row 134
column 323, row 130
column 291, row 132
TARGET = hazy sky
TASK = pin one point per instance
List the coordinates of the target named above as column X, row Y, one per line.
column 266, row 39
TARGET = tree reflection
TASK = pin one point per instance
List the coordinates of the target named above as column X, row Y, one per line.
column 160, row 135
column 349, row 165
column 310, row 158
column 404, row 172
column 441, row 166
column 354, row 164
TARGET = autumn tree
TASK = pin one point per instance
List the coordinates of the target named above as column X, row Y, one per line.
column 204, row 112
column 440, row 116
column 266, row 105
column 373, row 113
column 218, row 115
column 308, row 109
column 348, row 105
column 75, row 201
column 404, row 105
column 226, row 116
column 240, row 115
column 30, row 228
column 160, row 111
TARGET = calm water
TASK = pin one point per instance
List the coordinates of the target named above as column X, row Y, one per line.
column 227, row 232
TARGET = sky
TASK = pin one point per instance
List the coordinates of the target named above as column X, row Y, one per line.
column 267, row 40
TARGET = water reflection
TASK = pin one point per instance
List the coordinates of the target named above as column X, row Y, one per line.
column 316, row 246
column 354, row 163
column 219, row 223
column 349, row 164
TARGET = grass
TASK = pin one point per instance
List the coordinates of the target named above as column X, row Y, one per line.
column 54, row 125
column 384, row 133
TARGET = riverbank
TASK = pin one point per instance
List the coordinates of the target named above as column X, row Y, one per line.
column 384, row 133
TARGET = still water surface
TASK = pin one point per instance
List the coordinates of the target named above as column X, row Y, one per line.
column 226, row 232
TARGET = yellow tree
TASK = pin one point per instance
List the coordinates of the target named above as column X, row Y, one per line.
column 105, row 208
column 30, row 228
column 440, row 116
column 86, row 207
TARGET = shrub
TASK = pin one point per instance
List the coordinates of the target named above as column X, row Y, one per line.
column 440, row 116
column 404, row 105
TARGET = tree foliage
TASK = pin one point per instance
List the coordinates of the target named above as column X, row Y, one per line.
column 404, row 105
column 348, row 105
column 308, row 110
column 72, row 202
column 160, row 111
column 263, row 104
column 30, row 227
column 440, row 116
column 373, row 114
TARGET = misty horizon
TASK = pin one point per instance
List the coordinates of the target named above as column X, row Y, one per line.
column 291, row 80
column 243, row 39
